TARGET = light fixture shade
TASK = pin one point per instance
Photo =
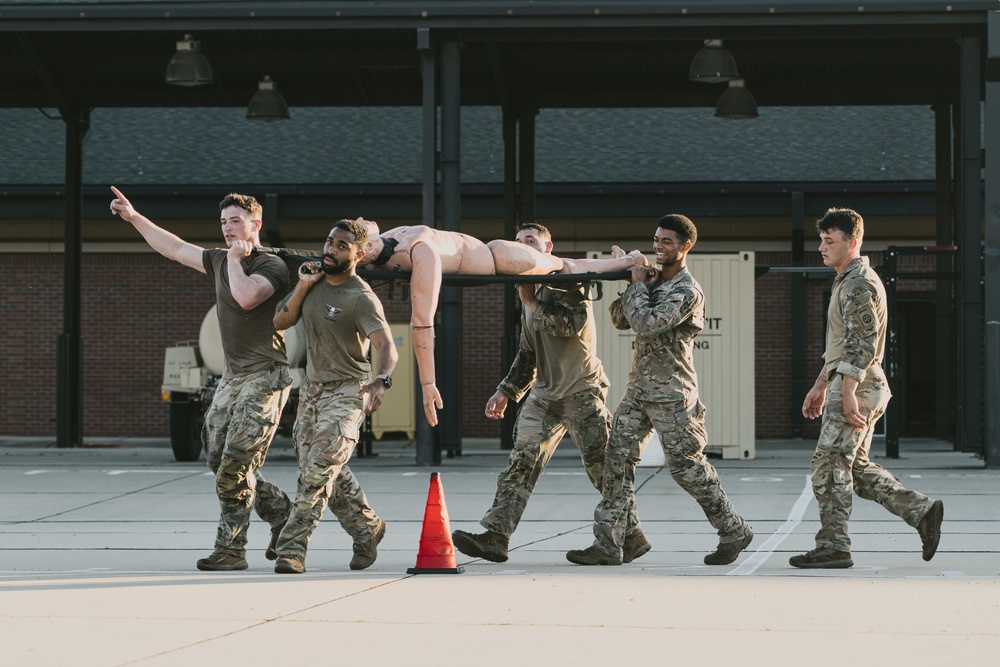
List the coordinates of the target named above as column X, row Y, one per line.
column 713, row 64
column 736, row 102
column 267, row 103
column 188, row 67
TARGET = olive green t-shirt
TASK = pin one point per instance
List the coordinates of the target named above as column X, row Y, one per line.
column 565, row 345
column 558, row 353
column 338, row 320
column 249, row 340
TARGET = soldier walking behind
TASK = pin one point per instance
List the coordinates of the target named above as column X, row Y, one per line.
column 851, row 394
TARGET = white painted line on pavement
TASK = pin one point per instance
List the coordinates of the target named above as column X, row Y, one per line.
column 36, row 472
column 764, row 551
column 954, row 573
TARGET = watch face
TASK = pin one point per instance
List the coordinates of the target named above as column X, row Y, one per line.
column 387, row 379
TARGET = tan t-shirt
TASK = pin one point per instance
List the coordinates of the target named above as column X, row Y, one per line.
column 249, row 340
column 558, row 353
column 338, row 320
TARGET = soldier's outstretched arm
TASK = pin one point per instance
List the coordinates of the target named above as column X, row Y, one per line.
column 166, row 243
column 619, row 261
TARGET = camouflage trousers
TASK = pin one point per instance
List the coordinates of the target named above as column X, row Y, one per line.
column 238, row 430
column 840, row 466
column 540, row 427
column 683, row 437
column 326, row 432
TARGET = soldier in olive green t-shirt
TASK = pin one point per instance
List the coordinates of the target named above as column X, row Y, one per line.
column 248, row 401
column 341, row 317
column 557, row 360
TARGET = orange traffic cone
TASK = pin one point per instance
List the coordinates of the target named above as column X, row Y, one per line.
column 437, row 553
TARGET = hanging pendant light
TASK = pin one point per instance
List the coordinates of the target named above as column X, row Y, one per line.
column 188, row 67
column 713, row 64
column 736, row 102
column 267, row 103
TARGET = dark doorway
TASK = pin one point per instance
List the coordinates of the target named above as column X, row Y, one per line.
column 917, row 351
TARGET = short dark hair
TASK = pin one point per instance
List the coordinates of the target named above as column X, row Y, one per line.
column 245, row 202
column 681, row 225
column 356, row 228
column 542, row 230
column 845, row 220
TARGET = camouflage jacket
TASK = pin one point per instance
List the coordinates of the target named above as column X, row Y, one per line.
column 557, row 356
column 666, row 318
column 856, row 322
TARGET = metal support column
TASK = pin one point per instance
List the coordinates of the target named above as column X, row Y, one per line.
column 991, row 308
column 971, row 248
column 69, row 358
column 992, row 450
column 944, row 298
column 526, row 159
column 891, row 361
column 509, row 339
column 428, row 451
column 271, row 222
column 797, row 299
column 509, row 343
column 449, row 346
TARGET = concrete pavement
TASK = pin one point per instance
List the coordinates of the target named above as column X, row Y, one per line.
column 97, row 552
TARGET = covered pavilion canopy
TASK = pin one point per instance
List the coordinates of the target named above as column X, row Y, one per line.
column 522, row 55
column 556, row 53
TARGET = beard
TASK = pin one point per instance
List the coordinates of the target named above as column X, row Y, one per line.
column 336, row 267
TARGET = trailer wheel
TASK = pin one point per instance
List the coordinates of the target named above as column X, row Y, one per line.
column 186, row 419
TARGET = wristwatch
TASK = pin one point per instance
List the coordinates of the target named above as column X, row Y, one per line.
column 386, row 380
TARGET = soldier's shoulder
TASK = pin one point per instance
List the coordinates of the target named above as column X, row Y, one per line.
column 359, row 286
column 861, row 282
column 687, row 282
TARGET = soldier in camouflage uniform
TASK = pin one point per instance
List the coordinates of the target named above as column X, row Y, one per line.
column 851, row 394
column 557, row 361
column 342, row 316
column 248, row 401
column 666, row 308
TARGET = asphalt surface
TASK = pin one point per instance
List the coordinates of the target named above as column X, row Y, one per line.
column 98, row 545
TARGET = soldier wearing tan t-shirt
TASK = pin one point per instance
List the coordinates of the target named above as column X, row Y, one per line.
column 557, row 361
column 341, row 316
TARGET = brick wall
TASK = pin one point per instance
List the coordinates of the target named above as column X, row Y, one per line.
column 136, row 305
column 133, row 307
column 31, row 292
column 776, row 408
